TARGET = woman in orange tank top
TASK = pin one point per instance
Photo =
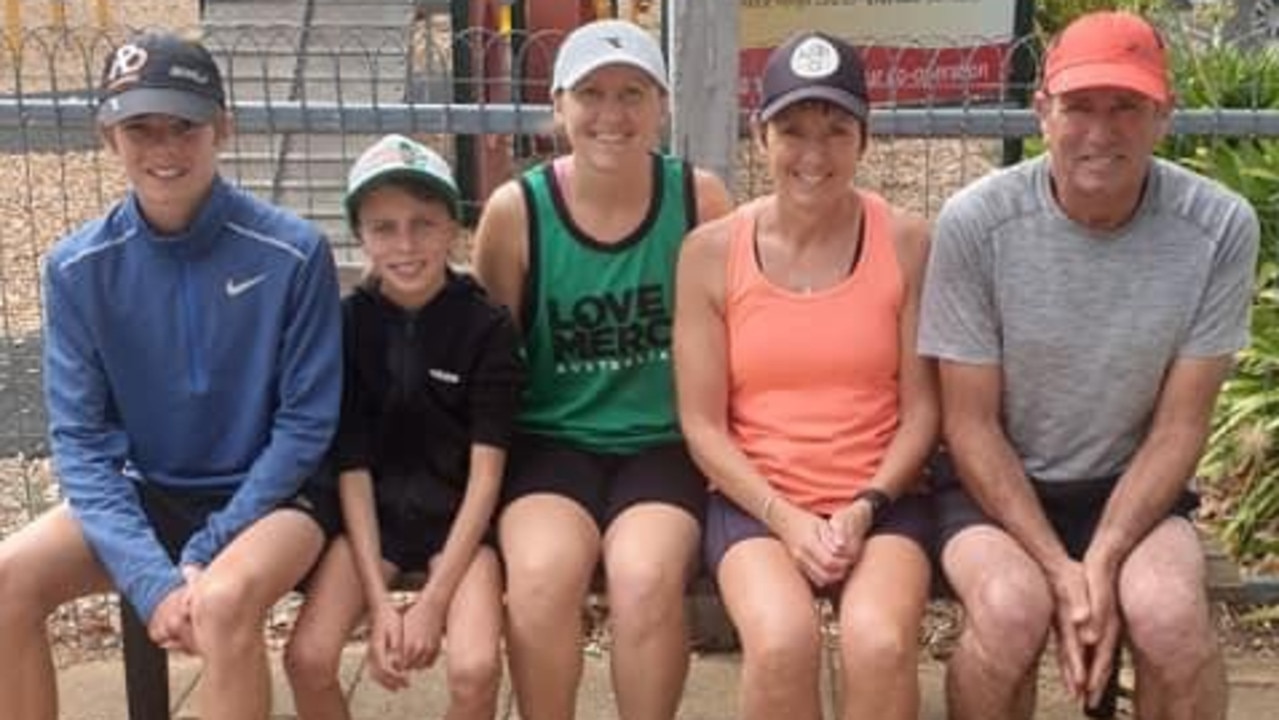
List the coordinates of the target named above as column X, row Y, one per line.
column 802, row 397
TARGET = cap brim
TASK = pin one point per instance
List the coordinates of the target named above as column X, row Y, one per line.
column 437, row 187
column 157, row 101
column 854, row 105
column 1109, row 75
column 613, row 58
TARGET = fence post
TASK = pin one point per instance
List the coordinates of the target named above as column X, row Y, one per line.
column 704, row 86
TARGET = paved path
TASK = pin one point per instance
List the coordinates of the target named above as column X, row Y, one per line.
column 95, row 691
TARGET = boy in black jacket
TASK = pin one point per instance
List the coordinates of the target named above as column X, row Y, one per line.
column 432, row 382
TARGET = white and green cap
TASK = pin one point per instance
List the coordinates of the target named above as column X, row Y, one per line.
column 607, row 42
column 395, row 157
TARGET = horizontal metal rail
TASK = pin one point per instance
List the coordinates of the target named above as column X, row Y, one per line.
column 74, row 113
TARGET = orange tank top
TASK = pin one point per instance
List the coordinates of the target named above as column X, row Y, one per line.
column 813, row 377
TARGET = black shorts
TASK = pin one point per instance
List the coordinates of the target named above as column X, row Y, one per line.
column 178, row 513
column 410, row 541
column 1074, row 508
column 728, row 524
column 604, row 484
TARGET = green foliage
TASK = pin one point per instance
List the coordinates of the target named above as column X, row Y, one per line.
column 1242, row 460
column 1243, row 457
column 1051, row 16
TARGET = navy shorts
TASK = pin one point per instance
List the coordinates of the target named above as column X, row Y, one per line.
column 1074, row 508
column 604, row 484
column 178, row 513
column 728, row 524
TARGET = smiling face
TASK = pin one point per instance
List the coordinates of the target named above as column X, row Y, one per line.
column 1100, row 142
column 170, row 163
column 406, row 233
column 612, row 117
column 813, row 149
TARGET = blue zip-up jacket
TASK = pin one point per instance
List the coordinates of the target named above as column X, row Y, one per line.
column 210, row 359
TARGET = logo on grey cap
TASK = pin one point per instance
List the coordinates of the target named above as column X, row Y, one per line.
column 128, row 61
column 814, row 58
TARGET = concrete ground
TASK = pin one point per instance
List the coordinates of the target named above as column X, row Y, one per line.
column 95, row 691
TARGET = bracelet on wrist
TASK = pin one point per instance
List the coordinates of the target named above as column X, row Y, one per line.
column 766, row 509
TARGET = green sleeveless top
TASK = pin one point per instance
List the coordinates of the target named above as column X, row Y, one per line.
column 598, row 318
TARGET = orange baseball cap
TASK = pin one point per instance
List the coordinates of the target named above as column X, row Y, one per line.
column 1108, row 49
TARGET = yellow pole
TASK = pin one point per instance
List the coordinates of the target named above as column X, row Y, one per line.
column 13, row 23
column 102, row 13
column 504, row 19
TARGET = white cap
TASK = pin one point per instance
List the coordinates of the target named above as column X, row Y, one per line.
column 400, row 157
column 607, row 42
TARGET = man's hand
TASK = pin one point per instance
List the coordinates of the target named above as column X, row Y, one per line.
column 1073, row 616
column 386, row 640
column 1101, row 634
column 423, row 631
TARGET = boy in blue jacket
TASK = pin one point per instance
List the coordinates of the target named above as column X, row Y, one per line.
column 192, row 371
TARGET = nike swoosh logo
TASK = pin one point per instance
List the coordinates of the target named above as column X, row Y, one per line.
column 234, row 288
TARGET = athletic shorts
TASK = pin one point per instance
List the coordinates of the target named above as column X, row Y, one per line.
column 178, row 513
column 604, row 484
column 727, row 524
column 1074, row 507
column 409, row 541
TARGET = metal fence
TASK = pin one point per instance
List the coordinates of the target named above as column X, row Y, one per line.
column 309, row 97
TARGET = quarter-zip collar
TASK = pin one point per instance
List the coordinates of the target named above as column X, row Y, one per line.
column 199, row 237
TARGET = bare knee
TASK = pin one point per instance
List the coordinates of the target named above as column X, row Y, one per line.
column 782, row 647
column 873, row 642
column 645, row 595
column 1168, row 624
column 1008, row 615
column 19, row 605
column 311, row 665
column 226, row 614
column 474, row 677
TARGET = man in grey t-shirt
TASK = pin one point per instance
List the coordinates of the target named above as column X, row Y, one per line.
column 1084, row 307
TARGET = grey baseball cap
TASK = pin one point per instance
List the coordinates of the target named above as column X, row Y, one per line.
column 160, row 73
column 398, row 157
column 607, row 42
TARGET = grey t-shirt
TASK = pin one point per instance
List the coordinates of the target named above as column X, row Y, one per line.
column 1086, row 324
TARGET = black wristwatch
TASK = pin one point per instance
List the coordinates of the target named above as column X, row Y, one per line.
column 876, row 498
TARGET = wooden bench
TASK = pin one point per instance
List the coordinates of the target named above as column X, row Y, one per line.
column 146, row 666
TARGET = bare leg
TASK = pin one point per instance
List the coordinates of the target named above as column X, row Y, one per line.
column 771, row 604
column 230, row 603
column 1008, row 610
column 334, row 604
column 649, row 551
column 473, row 640
column 1180, row 672
column 881, row 610
column 43, row 565
column 550, row 547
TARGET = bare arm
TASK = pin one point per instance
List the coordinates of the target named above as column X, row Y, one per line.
column 918, row 407
column 1165, row 461
column 713, row 200
column 993, row 474
column 359, row 514
column 501, row 248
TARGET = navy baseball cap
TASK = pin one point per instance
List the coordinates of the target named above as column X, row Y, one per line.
column 160, row 73
column 814, row 66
